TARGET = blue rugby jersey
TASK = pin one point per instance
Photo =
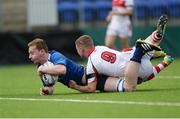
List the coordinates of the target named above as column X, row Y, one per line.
column 73, row 71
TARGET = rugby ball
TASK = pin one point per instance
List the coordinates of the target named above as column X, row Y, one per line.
column 47, row 79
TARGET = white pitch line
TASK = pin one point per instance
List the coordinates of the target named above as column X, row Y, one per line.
column 168, row 77
column 175, row 104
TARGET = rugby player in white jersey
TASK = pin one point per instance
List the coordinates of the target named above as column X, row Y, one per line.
column 130, row 64
column 120, row 23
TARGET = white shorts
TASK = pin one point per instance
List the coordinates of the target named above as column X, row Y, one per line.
column 146, row 68
column 122, row 30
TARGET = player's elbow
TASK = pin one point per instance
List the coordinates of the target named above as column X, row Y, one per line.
column 91, row 89
column 61, row 70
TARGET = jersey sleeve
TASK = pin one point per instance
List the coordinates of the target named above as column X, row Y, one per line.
column 90, row 72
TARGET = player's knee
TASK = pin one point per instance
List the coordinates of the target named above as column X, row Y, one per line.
column 130, row 88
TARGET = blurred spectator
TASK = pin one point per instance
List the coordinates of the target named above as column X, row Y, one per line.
column 120, row 23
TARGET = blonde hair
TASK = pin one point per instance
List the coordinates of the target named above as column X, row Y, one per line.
column 39, row 43
column 85, row 40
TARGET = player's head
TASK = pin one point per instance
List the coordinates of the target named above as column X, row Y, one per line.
column 37, row 50
column 84, row 44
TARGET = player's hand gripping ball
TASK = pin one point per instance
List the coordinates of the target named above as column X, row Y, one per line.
column 47, row 79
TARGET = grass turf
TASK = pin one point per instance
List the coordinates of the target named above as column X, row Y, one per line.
column 22, row 82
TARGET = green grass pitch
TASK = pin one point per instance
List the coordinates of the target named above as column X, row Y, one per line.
column 19, row 97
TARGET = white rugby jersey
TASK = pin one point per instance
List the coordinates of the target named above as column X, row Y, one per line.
column 103, row 60
column 120, row 6
column 106, row 61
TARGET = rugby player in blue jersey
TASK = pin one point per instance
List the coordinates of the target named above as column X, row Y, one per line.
column 63, row 67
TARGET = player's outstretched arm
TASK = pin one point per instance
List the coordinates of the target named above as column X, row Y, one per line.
column 90, row 88
column 53, row 70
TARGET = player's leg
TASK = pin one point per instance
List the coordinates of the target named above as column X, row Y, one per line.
column 131, row 74
column 110, row 40
column 114, row 84
column 124, row 42
column 125, row 33
column 156, row 37
column 156, row 69
column 132, row 69
column 106, row 83
column 109, row 84
column 111, row 35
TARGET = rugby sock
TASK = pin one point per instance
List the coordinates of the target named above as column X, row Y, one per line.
column 155, row 36
column 138, row 53
column 120, row 86
column 157, row 69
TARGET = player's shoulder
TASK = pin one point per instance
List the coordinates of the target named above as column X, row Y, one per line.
column 54, row 53
column 103, row 48
column 98, row 51
column 55, row 56
column 100, row 47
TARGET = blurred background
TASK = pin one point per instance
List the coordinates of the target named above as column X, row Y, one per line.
column 61, row 22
